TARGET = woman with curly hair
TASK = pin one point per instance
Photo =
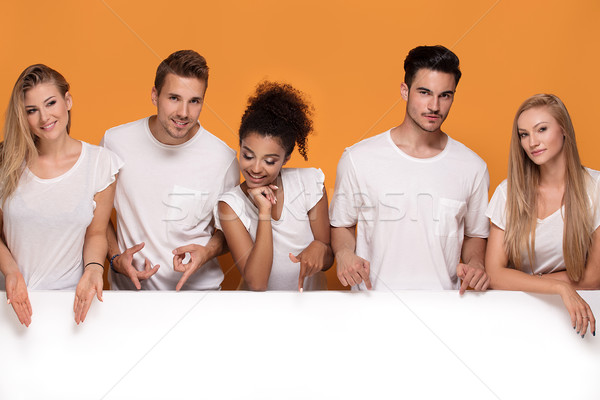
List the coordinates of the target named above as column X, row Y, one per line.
column 276, row 222
column 56, row 197
column 545, row 215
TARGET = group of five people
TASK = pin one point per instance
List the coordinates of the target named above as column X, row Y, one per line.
column 409, row 211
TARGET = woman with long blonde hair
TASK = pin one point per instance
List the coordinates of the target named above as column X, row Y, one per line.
column 544, row 216
column 56, row 196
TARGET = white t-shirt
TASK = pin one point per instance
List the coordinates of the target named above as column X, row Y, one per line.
column 165, row 198
column 303, row 188
column 411, row 214
column 45, row 220
column 548, row 251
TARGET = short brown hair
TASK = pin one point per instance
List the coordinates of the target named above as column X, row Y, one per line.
column 184, row 63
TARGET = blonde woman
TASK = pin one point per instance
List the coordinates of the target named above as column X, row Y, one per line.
column 544, row 216
column 56, row 197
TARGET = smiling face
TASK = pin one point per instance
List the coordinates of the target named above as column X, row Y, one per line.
column 541, row 136
column 261, row 159
column 178, row 107
column 47, row 111
column 429, row 98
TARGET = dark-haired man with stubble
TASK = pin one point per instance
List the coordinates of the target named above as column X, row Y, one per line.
column 408, row 210
column 173, row 174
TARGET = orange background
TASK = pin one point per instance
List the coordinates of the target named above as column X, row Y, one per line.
column 346, row 55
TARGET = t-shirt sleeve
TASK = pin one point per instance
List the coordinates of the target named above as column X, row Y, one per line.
column 230, row 180
column 345, row 203
column 476, row 223
column 496, row 210
column 232, row 176
column 313, row 182
column 107, row 167
column 237, row 205
column 105, row 141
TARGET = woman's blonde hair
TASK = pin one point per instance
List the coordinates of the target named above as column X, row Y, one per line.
column 523, row 180
column 19, row 143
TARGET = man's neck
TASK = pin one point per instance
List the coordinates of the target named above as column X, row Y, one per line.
column 416, row 142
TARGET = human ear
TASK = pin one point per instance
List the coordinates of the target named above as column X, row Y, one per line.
column 154, row 96
column 286, row 159
column 404, row 89
column 68, row 101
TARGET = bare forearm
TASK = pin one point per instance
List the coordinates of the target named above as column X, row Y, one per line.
column 583, row 284
column 95, row 247
column 258, row 265
column 473, row 251
column 511, row 279
column 8, row 265
column 327, row 258
column 112, row 243
column 217, row 245
column 343, row 239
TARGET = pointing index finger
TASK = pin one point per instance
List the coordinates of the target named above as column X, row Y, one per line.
column 301, row 276
column 183, row 279
column 463, row 286
column 364, row 273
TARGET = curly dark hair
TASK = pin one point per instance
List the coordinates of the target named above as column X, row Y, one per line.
column 279, row 110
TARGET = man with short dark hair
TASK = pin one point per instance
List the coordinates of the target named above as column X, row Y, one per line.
column 415, row 197
column 173, row 174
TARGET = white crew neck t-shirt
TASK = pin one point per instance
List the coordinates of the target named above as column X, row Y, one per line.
column 411, row 214
column 165, row 198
